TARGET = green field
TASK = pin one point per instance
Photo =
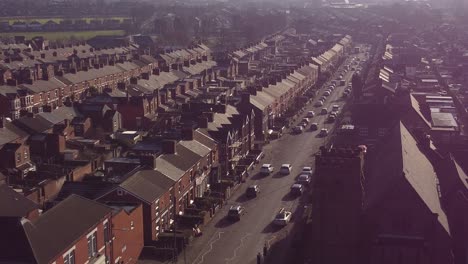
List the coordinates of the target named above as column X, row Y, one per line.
column 43, row 20
column 84, row 35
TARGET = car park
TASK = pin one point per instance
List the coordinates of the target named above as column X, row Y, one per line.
column 285, row 169
column 323, row 132
column 282, row 218
column 266, row 169
column 307, row 170
column 235, row 212
column 324, row 111
column 310, row 114
column 314, row 126
column 304, row 179
column 252, row 191
column 297, row 189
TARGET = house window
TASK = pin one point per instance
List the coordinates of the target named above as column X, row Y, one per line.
column 92, row 245
column 40, row 97
column 69, row 258
column 107, row 233
column 120, row 192
column 26, row 154
column 18, row 157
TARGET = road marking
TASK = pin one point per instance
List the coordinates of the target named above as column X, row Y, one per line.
column 228, row 260
column 209, row 250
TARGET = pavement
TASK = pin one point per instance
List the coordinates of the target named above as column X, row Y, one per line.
column 227, row 242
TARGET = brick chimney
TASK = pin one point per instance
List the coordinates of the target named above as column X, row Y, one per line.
column 168, row 147
column 202, row 122
column 187, row 134
column 209, row 115
column 145, row 75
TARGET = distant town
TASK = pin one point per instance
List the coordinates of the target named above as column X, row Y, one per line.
column 214, row 132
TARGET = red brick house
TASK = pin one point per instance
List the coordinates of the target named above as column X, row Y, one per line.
column 77, row 230
column 127, row 229
column 154, row 191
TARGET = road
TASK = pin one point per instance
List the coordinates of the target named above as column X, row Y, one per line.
column 229, row 242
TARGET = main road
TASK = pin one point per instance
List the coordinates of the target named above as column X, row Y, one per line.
column 226, row 242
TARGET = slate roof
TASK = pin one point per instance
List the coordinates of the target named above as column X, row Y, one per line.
column 196, row 147
column 148, row 185
column 59, row 228
column 10, row 132
column 404, row 163
column 14, row 204
column 184, row 159
column 39, row 86
column 204, row 139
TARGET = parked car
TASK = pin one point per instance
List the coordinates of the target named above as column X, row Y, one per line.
column 323, row 132
column 305, row 120
column 307, row 170
column 298, row 129
column 304, row 179
column 314, row 126
column 285, row 169
column 297, row 189
column 310, row 114
column 324, row 111
column 252, row 191
column 331, row 118
column 282, row 218
column 235, row 212
column 266, row 169
column 319, row 103
column 326, row 93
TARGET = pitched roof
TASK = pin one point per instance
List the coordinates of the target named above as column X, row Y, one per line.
column 403, row 160
column 59, row 228
column 9, row 133
column 14, row 204
column 183, row 159
column 148, row 185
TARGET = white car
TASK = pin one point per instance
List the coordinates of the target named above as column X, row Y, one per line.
column 285, row 169
column 282, row 218
column 307, row 170
column 319, row 103
column 323, row 132
column 310, row 114
column 335, row 108
column 266, row 169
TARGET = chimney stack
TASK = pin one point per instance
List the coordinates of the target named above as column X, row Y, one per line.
column 169, row 147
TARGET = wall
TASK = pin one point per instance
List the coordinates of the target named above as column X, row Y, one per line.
column 128, row 241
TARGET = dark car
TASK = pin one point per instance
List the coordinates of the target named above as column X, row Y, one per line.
column 235, row 212
column 297, row 189
column 252, row 191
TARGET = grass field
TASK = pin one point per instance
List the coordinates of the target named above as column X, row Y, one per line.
column 43, row 20
column 66, row 34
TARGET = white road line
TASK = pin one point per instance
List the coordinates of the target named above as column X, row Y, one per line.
column 209, row 250
column 228, row 260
